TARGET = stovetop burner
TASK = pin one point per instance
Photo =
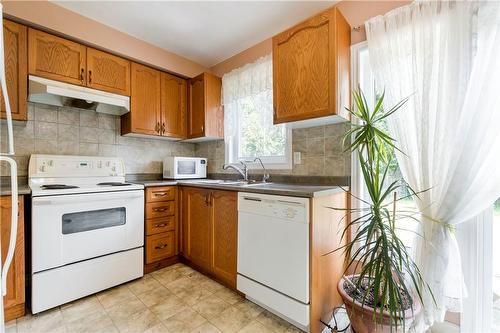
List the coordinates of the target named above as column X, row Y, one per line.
column 114, row 184
column 57, row 187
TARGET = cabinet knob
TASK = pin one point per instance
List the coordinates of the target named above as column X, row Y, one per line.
column 160, row 225
column 90, row 76
column 82, row 75
column 159, row 209
column 202, row 128
column 163, row 128
column 161, row 246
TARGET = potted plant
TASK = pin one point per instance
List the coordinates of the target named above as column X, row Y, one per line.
column 383, row 293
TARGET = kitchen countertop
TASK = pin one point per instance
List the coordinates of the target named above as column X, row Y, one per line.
column 275, row 188
column 285, row 189
column 22, row 188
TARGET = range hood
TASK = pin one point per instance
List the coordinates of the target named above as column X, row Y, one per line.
column 57, row 93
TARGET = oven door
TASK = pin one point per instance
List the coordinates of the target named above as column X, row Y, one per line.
column 71, row 228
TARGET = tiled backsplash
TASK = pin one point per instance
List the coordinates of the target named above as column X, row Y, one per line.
column 67, row 131
column 58, row 130
column 321, row 152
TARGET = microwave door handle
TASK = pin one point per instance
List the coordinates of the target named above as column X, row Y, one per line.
column 13, row 226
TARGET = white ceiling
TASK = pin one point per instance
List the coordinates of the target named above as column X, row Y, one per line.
column 206, row 32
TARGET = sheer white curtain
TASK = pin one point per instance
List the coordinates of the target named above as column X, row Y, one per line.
column 252, row 80
column 446, row 57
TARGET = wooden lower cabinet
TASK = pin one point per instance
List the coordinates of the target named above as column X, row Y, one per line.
column 197, row 227
column 224, row 235
column 14, row 301
column 209, row 231
column 161, row 230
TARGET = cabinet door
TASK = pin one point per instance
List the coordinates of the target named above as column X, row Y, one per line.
column 108, row 72
column 214, row 113
column 196, row 118
column 15, row 38
column 224, row 235
column 173, row 106
column 307, row 78
column 145, row 100
column 197, row 228
column 56, row 58
column 15, row 298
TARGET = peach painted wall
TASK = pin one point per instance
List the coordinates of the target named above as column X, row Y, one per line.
column 355, row 12
column 57, row 19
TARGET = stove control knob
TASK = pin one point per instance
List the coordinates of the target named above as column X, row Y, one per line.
column 42, row 168
column 99, row 164
column 51, row 163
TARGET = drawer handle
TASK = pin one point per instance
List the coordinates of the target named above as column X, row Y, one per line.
column 160, row 194
column 160, row 225
column 161, row 247
column 160, row 209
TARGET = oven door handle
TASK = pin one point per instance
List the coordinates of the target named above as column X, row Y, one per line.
column 44, row 202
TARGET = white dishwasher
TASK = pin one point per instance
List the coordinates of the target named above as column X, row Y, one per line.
column 273, row 254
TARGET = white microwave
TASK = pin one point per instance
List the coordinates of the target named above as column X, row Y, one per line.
column 177, row 167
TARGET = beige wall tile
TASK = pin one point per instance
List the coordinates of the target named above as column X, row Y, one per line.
column 89, row 149
column 68, row 116
column 89, row 134
column 43, row 146
column 88, row 118
column 68, row 132
column 46, row 113
column 45, row 130
column 106, row 121
column 68, row 147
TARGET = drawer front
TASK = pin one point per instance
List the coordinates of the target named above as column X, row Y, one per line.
column 160, row 209
column 162, row 193
column 160, row 246
column 156, row 226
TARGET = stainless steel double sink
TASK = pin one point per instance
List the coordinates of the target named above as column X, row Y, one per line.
column 242, row 183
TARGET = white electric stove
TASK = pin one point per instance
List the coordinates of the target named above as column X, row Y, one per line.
column 87, row 230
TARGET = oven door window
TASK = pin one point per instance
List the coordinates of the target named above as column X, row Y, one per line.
column 92, row 220
column 186, row 167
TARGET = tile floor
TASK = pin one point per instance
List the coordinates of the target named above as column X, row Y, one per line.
column 175, row 299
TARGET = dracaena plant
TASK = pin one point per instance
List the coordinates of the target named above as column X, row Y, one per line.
column 388, row 276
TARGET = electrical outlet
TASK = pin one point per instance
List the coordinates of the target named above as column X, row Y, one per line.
column 296, row 158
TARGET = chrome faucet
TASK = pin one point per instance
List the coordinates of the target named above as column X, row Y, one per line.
column 243, row 170
column 265, row 177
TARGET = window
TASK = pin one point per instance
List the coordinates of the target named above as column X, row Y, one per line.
column 248, row 118
column 406, row 208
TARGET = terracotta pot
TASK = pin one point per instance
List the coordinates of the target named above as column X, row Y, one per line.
column 361, row 317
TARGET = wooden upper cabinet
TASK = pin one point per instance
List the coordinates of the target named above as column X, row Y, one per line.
column 14, row 301
column 311, row 69
column 197, row 227
column 145, row 102
column 196, row 125
column 56, row 58
column 225, row 235
column 108, row 72
column 16, row 69
column 205, row 114
column 173, row 106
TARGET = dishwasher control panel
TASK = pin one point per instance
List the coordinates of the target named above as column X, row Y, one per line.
column 280, row 207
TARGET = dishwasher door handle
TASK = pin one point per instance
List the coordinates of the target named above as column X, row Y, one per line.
column 252, row 199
